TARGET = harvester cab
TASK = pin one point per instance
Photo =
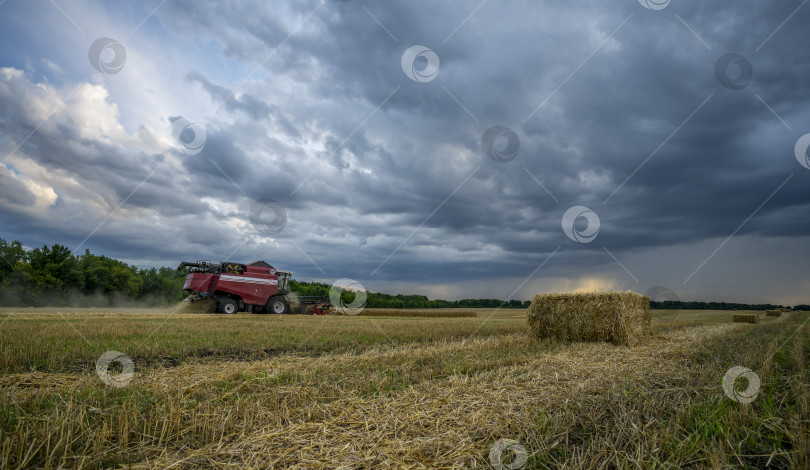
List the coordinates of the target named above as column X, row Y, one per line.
column 283, row 277
column 256, row 287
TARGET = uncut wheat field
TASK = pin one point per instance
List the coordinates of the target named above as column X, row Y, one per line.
column 155, row 389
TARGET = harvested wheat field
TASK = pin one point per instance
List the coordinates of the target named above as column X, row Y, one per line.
column 275, row 391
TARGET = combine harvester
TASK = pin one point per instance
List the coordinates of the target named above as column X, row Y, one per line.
column 255, row 288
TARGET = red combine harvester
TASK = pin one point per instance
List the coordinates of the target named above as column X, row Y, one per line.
column 256, row 287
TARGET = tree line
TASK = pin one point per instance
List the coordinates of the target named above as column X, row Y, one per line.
column 380, row 300
column 693, row 305
column 54, row 276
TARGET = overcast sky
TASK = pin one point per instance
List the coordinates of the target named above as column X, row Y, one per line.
column 450, row 148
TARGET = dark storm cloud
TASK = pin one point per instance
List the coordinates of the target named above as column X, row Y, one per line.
column 250, row 105
column 590, row 135
column 361, row 155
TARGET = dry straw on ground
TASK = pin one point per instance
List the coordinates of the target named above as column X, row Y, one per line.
column 197, row 306
column 773, row 313
column 619, row 317
column 438, row 405
column 446, row 420
column 744, row 318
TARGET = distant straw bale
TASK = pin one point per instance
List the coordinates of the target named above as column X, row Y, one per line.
column 773, row 313
column 424, row 313
column 745, row 318
column 618, row 317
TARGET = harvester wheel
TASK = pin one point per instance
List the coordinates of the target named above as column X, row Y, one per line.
column 228, row 306
column 278, row 304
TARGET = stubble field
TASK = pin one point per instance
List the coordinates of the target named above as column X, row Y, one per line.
column 383, row 391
